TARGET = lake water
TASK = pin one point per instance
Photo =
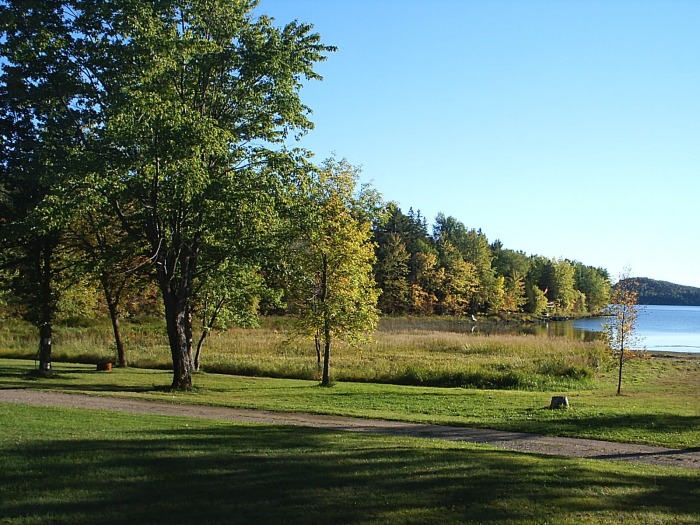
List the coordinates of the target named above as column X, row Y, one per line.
column 662, row 328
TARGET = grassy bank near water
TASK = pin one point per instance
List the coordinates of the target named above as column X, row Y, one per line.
column 408, row 351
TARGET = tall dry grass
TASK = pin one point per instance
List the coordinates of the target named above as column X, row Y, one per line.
column 416, row 351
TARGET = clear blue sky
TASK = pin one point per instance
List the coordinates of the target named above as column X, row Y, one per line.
column 563, row 128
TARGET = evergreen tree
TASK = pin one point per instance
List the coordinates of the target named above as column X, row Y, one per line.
column 392, row 275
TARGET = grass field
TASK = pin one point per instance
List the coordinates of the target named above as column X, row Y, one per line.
column 655, row 410
column 83, row 467
column 659, row 406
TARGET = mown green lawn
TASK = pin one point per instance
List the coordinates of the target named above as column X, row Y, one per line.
column 660, row 405
column 85, row 467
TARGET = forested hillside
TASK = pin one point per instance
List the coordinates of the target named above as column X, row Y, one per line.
column 454, row 270
column 664, row 292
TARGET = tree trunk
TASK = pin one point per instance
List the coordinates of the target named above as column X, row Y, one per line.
column 112, row 298
column 176, row 318
column 622, row 329
column 326, row 378
column 45, row 333
column 619, row 374
column 189, row 334
column 45, row 268
column 317, row 345
column 200, row 343
column 207, row 327
column 114, row 316
column 326, row 381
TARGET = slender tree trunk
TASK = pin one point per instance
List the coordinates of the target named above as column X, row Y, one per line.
column 116, row 328
column 326, row 381
column 47, row 307
column 622, row 353
column 200, row 343
column 189, row 334
column 619, row 375
column 113, row 308
column 326, row 378
column 317, row 345
column 207, row 327
column 45, row 334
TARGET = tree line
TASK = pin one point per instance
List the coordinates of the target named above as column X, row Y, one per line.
column 454, row 270
column 146, row 152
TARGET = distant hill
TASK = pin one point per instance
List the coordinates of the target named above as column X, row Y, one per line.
column 663, row 292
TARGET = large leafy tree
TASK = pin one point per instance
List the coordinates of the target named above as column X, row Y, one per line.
column 179, row 113
column 192, row 136
column 41, row 117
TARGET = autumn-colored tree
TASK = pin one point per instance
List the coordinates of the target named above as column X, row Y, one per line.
column 475, row 249
column 428, row 281
column 514, row 296
column 333, row 289
column 620, row 328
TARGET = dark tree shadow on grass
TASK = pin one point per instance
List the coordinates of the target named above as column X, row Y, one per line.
column 158, row 472
column 63, row 377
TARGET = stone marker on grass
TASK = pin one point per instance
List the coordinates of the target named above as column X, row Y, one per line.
column 559, row 402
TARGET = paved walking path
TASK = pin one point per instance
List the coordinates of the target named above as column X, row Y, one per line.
column 522, row 442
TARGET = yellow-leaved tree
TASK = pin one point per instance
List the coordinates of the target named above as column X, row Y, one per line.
column 332, row 290
column 620, row 329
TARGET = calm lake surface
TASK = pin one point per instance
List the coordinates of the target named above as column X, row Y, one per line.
column 662, row 328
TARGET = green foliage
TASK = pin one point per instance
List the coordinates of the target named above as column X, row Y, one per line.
column 175, row 114
column 662, row 292
column 333, row 288
column 594, row 283
column 81, row 301
column 536, row 301
column 391, row 273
